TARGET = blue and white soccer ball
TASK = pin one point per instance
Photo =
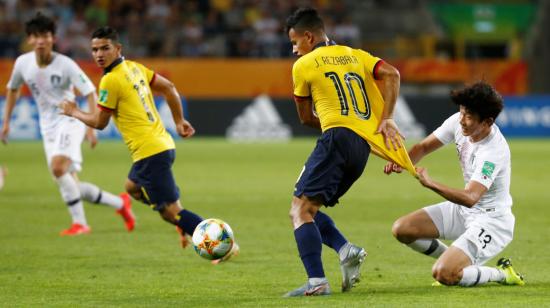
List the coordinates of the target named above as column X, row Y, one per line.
column 213, row 239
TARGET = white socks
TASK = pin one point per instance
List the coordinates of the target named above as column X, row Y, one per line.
column 430, row 247
column 476, row 275
column 73, row 192
column 71, row 195
column 471, row 275
column 93, row 194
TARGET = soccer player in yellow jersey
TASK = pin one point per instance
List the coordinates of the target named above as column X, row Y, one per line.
column 334, row 90
column 126, row 95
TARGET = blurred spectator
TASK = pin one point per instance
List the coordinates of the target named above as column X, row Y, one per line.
column 170, row 28
column 96, row 13
column 268, row 36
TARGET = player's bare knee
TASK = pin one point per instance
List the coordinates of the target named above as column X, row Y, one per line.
column 168, row 216
column 445, row 274
column 131, row 187
column 58, row 171
column 396, row 229
column 299, row 212
column 296, row 206
column 58, row 167
column 170, row 212
column 136, row 195
column 401, row 230
column 133, row 190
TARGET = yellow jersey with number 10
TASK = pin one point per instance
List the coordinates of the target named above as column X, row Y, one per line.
column 125, row 90
column 341, row 83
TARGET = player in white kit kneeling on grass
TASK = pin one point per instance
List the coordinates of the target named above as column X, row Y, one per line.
column 51, row 77
column 478, row 217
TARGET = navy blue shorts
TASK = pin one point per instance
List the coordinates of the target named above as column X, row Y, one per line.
column 154, row 175
column 338, row 160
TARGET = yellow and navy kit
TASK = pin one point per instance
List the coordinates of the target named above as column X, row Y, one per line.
column 125, row 90
column 341, row 83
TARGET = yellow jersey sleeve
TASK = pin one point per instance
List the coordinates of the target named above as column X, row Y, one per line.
column 371, row 63
column 108, row 92
column 147, row 72
column 301, row 87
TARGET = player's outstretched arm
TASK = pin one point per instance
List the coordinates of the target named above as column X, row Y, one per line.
column 304, row 105
column 91, row 135
column 416, row 153
column 387, row 127
column 169, row 91
column 468, row 197
column 98, row 118
column 11, row 98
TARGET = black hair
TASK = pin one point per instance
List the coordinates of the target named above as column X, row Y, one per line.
column 304, row 19
column 40, row 24
column 479, row 98
column 106, row 32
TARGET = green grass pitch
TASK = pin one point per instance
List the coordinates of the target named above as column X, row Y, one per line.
column 249, row 186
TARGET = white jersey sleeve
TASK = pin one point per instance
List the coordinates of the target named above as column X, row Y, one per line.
column 487, row 167
column 446, row 132
column 78, row 78
column 16, row 78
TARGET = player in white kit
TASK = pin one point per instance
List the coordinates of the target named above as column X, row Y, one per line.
column 478, row 217
column 51, row 77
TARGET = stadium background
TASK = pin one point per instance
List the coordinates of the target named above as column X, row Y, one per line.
column 231, row 61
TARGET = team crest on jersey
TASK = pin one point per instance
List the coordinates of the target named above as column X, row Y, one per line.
column 82, row 78
column 103, row 96
column 488, row 168
column 55, row 80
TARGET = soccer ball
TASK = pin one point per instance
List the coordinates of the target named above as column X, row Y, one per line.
column 213, row 239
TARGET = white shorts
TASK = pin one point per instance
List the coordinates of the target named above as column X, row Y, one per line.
column 480, row 234
column 65, row 140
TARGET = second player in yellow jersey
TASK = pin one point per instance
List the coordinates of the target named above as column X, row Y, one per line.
column 125, row 90
column 125, row 94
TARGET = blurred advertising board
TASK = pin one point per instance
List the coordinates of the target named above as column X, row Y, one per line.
column 525, row 116
column 265, row 119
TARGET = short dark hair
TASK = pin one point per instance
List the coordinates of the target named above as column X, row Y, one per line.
column 304, row 19
column 106, row 32
column 40, row 24
column 479, row 98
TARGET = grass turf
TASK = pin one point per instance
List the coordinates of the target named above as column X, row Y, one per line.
column 249, row 186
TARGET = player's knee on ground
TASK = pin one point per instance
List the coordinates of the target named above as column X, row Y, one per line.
column 445, row 274
column 403, row 231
